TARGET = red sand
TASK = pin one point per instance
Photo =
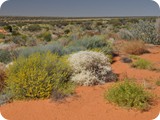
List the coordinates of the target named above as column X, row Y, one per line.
column 89, row 104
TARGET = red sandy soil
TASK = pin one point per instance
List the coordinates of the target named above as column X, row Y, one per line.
column 89, row 103
column 3, row 31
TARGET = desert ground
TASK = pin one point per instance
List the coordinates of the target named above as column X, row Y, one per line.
column 88, row 103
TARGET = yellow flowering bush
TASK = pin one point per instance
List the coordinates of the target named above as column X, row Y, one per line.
column 36, row 76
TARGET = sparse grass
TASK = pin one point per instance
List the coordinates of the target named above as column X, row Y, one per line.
column 130, row 95
column 134, row 57
column 143, row 64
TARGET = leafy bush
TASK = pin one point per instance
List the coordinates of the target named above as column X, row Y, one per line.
column 5, row 56
column 91, row 42
column 135, row 47
column 125, row 34
column 90, row 68
column 143, row 64
column 20, row 40
column 145, row 30
column 72, row 49
column 8, row 28
column 54, row 47
column 30, row 41
column 64, row 41
column 36, row 76
column 46, row 36
column 2, row 36
column 34, row 28
column 129, row 94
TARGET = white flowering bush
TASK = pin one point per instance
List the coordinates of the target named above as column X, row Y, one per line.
column 90, row 68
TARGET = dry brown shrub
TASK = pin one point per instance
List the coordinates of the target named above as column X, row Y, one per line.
column 135, row 47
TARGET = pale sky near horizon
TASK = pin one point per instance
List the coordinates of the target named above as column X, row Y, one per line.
column 80, row 8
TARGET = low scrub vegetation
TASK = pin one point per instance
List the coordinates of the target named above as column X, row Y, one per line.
column 38, row 75
column 5, row 56
column 130, row 95
column 143, row 64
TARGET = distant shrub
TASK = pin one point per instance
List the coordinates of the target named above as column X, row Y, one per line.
column 143, row 64
column 34, row 28
column 72, row 49
column 64, row 41
column 46, row 36
column 30, row 41
column 5, row 56
column 135, row 47
column 94, row 42
column 20, row 40
column 38, row 75
column 145, row 30
column 8, row 28
column 2, row 36
column 54, row 47
column 130, row 95
column 125, row 34
column 67, row 31
column 90, row 68
column 16, row 33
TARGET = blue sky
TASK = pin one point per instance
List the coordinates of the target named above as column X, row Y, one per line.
column 80, row 8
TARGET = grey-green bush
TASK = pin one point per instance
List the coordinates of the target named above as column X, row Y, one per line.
column 145, row 30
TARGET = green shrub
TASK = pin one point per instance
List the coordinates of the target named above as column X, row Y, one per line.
column 5, row 56
column 30, row 41
column 46, row 36
column 34, row 28
column 125, row 34
column 2, row 36
column 36, row 76
column 143, row 64
column 8, row 28
column 93, row 43
column 135, row 57
column 54, row 47
column 129, row 94
column 20, row 40
column 72, row 49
